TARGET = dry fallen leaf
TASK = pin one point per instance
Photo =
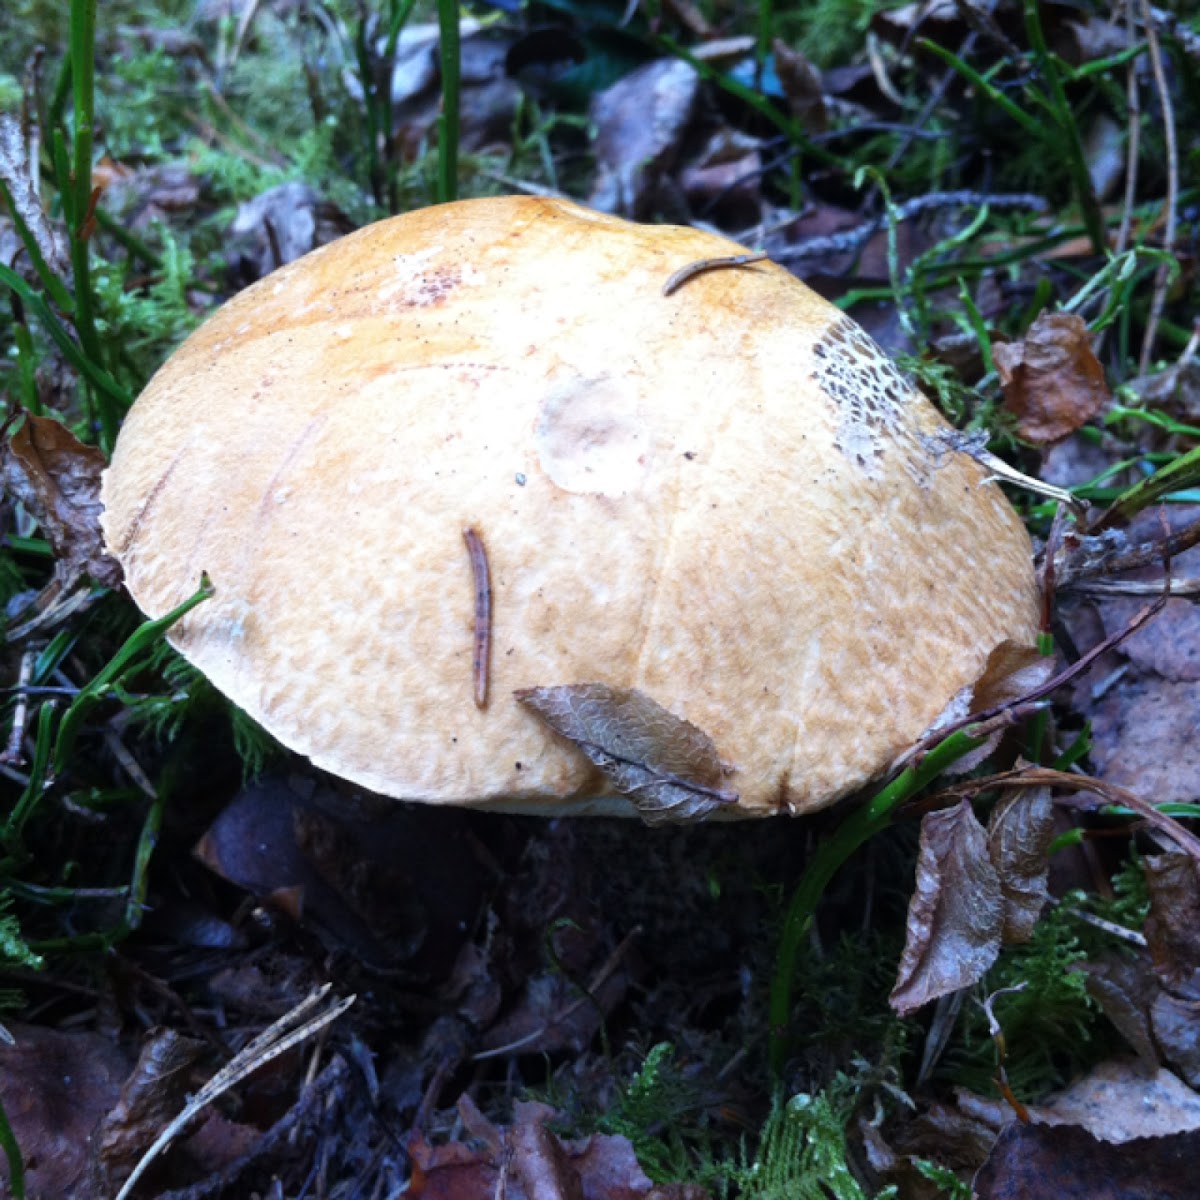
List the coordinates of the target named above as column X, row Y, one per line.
column 278, row 226
column 1052, row 380
column 1173, row 925
column 956, row 913
column 151, row 1096
column 1066, row 1161
column 1019, row 834
column 1012, row 672
column 1121, row 1100
column 20, row 177
column 633, row 153
column 57, row 478
column 1124, row 990
column 667, row 766
column 55, row 1086
column 801, row 82
column 1143, row 699
column 724, row 181
column 1176, row 1027
column 525, row 1161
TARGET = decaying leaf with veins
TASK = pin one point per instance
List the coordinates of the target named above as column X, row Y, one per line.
column 57, row 478
column 1051, row 379
column 667, row 766
column 956, row 912
column 1019, row 834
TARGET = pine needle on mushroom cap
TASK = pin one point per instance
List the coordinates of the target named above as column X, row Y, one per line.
column 726, row 498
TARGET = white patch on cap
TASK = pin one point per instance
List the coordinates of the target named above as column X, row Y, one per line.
column 593, row 438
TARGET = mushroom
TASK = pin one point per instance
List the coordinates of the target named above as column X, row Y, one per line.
column 726, row 500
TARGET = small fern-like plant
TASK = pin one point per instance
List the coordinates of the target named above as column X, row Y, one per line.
column 802, row 1151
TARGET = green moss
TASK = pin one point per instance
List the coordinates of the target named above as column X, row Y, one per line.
column 1053, row 1030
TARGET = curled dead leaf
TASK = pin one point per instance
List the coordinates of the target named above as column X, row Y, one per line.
column 1052, row 381
column 1173, row 924
column 667, row 766
column 956, row 913
column 801, row 82
column 1019, row 834
column 57, row 478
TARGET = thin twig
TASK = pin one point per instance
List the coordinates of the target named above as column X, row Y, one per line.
column 1110, row 792
column 12, row 752
column 1135, row 587
column 852, row 239
column 1162, row 275
column 270, row 1044
column 606, row 968
column 1133, row 98
column 1081, row 563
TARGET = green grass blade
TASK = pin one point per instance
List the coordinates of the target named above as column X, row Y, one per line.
column 448, row 120
column 142, row 639
column 12, row 1152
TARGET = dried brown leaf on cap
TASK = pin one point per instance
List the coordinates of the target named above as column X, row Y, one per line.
column 1052, row 380
column 666, row 765
column 45, row 467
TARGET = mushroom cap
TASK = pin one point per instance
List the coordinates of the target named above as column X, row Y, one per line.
column 727, row 498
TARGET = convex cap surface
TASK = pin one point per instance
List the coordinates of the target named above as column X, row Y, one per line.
column 727, row 498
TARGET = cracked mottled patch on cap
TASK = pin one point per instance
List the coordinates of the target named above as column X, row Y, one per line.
column 872, row 397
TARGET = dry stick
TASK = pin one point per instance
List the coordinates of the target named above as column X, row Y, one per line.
column 997, row 1035
column 936, row 95
column 852, row 239
column 1110, row 927
column 298, row 1120
column 1135, row 587
column 1165, row 548
column 1008, row 712
column 482, row 649
column 12, row 752
column 606, row 968
column 1049, row 573
column 1133, row 98
column 130, row 765
column 1158, row 303
column 1048, row 777
column 275, row 1040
